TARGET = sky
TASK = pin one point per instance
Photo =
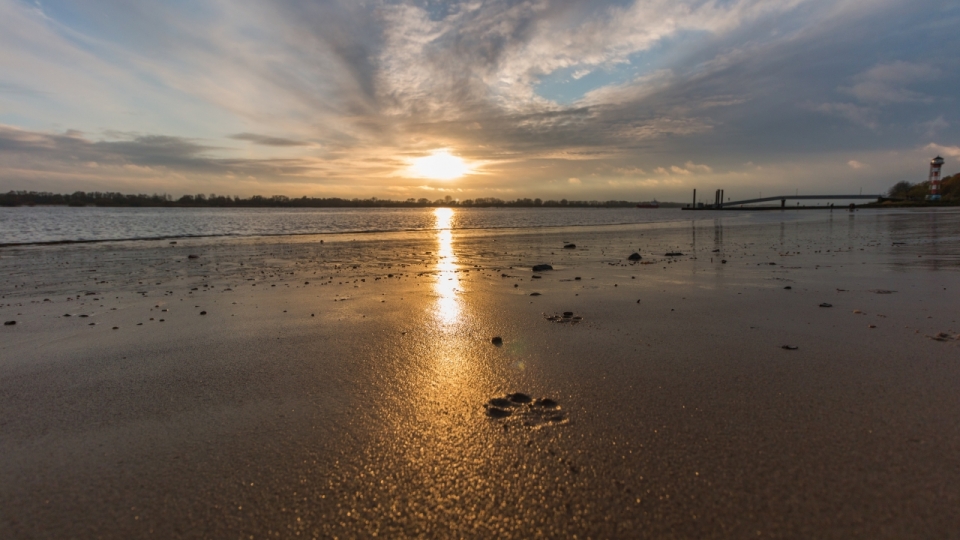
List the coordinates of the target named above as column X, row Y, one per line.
column 583, row 100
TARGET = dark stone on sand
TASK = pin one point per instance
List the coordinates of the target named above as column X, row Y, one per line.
column 634, row 257
column 826, row 305
column 724, row 261
column 500, row 402
column 542, row 267
column 546, row 403
column 496, row 412
column 715, row 251
column 673, row 254
column 789, row 347
column 576, row 278
column 173, row 242
column 498, row 341
column 570, row 246
column 67, row 315
column 788, row 288
column 10, row 323
column 193, row 256
column 83, row 316
column 519, row 398
column 203, row 312
column 567, row 314
column 116, row 327
column 537, row 277
column 534, row 294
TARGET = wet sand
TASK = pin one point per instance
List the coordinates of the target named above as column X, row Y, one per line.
column 342, row 389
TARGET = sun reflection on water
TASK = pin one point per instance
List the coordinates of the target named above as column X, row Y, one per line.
column 448, row 283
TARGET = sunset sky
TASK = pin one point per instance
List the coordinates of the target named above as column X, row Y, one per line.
column 552, row 99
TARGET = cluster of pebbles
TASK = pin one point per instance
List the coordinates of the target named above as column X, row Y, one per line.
column 566, row 317
column 526, row 410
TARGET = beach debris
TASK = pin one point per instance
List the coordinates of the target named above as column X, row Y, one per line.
column 523, row 409
column 715, row 251
column 9, row 323
column 497, row 412
column 881, row 291
column 537, row 277
column 871, row 326
column 173, row 242
column 203, row 312
column 634, row 256
column 569, row 246
column 546, row 402
column 724, row 261
column 576, row 278
column 519, row 398
column 534, row 294
column 858, row 312
column 789, row 348
column 192, row 256
column 542, row 267
column 498, row 341
column 673, row 254
column 787, row 288
column 943, row 336
column 824, row 304
column 567, row 317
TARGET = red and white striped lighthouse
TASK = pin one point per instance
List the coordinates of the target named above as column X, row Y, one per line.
column 935, row 165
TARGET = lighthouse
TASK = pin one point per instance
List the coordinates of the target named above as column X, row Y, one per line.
column 935, row 165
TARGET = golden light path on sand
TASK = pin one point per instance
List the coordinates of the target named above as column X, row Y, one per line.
column 448, row 283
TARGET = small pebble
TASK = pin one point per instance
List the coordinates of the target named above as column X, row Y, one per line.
column 498, row 341
column 10, row 323
column 519, row 398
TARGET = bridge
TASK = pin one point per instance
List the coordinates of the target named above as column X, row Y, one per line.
column 719, row 204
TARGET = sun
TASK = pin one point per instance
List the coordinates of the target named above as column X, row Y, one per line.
column 440, row 165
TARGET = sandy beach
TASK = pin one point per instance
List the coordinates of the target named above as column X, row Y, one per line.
column 283, row 387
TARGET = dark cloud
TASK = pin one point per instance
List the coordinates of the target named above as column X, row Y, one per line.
column 266, row 140
column 154, row 151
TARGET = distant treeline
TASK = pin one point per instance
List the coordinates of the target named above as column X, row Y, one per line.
column 111, row 199
column 949, row 189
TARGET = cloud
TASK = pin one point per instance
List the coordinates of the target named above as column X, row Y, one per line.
column 859, row 115
column 952, row 151
column 887, row 83
column 151, row 151
column 349, row 90
column 266, row 140
column 854, row 164
column 575, row 181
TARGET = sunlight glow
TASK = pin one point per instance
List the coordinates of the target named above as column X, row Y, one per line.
column 440, row 165
column 448, row 282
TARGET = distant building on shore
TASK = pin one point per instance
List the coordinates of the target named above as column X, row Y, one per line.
column 936, row 164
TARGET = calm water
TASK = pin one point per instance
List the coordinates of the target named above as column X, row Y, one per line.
column 25, row 225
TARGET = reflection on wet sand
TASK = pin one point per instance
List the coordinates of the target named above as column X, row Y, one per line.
column 448, row 283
